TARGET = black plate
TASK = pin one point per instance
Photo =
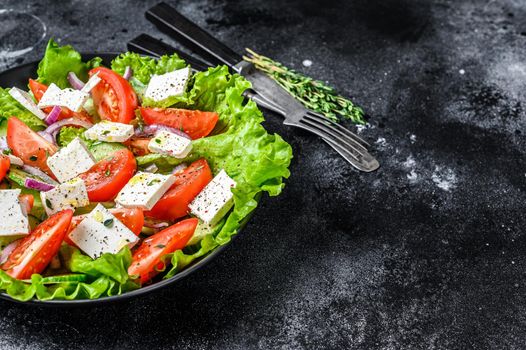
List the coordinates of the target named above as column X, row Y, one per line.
column 18, row 77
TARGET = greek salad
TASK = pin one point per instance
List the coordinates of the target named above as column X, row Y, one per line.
column 113, row 177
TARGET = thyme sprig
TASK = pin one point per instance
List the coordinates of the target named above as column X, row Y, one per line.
column 312, row 93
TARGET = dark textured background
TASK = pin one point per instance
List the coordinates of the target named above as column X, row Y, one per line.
column 427, row 252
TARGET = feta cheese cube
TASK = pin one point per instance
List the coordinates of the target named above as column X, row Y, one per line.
column 144, row 190
column 91, row 83
column 68, row 195
column 215, row 200
column 13, row 221
column 26, row 101
column 166, row 142
column 109, row 132
column 55, row 96
column 70, row 161
column 163, row 86
column 101, row 232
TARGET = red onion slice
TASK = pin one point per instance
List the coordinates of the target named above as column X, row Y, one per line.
column 150, row 130
column 52, row 117
column 74, row 81
column 38, row 185
column 48, row 137
column 53, row 129
column 128, row 73
column 3, row 143
column 155, row 225
column 37, row 172
column 8, row 250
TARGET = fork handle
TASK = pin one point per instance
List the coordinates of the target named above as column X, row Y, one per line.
column 170, row 21
column 149, row 45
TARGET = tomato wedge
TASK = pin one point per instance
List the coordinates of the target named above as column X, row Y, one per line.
column 27, row 201
column 196, row 124
column 26, row 144
column 38, row 90
column 106, row 178
column 131, row 218
column 174, row 203
column 5, row 163
column 146, row 261
column 113, row 96
column 36, row 250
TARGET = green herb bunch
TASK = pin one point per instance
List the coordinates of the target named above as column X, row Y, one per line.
column 313, row 94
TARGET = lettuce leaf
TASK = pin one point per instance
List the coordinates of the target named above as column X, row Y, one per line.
column 58, row 61
column 10, row 107
column 107, row 276
column 144, row 67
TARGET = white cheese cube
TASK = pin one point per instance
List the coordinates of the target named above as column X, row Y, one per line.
column 91, row 83
column 109, row 132
column 166, row 142
column 163, row 86
column 13, row 221
column 144, row 190
column 26, row 101
column 215, row 200
column 55, row 96
column 68, row 195
column 14, row 160
column 101, row 232
column 70, row 161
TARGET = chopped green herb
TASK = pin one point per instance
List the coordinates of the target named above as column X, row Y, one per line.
column 107, row 172
column 108, row 222
column 160, row 246
column 153, row 182
column 105, row 132
column 158, row 141
column 48, row 204
column 6, row 151
column 313, row 94
column 33, row 158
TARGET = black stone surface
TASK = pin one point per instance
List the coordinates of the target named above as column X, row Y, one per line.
column 428, row 252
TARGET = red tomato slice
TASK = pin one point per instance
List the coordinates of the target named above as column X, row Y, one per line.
column 174, row 203
column 38, row 90
column 26, row 144
column 146, row 260
column 138, row 146
column 113, row 96
column 131, row 218
column 36, row 250
column 27, row 201
column 5, row 163
column 106, row 178
column 196, row 124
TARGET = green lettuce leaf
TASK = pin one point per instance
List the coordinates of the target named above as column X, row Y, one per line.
column 106, row 276
column 58, row 61
column 10, row 107
column 144, row 67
